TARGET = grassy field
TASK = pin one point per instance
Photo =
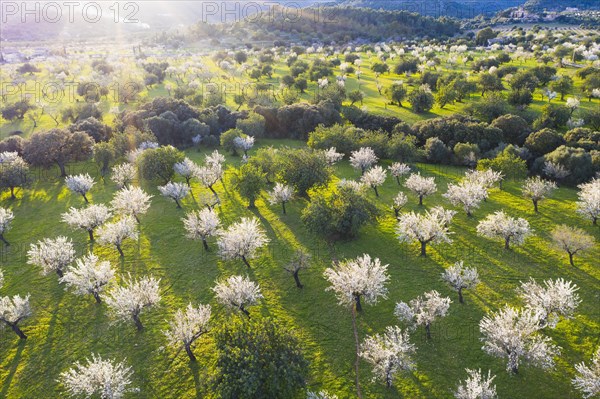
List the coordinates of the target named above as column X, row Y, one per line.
column 66, row 328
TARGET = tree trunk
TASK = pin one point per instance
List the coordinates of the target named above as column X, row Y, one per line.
column 358, row 304
column 376, row 192
column 177, row 202
column 297, row 279
column 189, row 352
column 59, row 272
column 423, row 248
column 396, row 212
column 469, row 214
column 571, row 258
column 204, row 243
column 428, row 330
column 398, row 180
column 420, row 200
column 12, row 193
column 595, row 221
column 136, row 218
column 61, row 166
column 91, row 234
column 246, row 261
column 283, row 206
column 120, row 251
column 535, row 205
column 17, row 331
column 251, row 203
column 507, row 243
column 244, row 311
column 4, row 240
column 97, row 297
column 136, row 320
column 85, row 198
column 460, row 296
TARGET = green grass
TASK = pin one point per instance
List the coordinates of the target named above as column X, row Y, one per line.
column 66, row 328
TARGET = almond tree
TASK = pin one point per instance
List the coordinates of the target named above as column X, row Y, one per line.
column 89, row 276
column 356, row 279
column 486, row 178
column 123, row 174
column 398, row 170
column 421, row 186
column 589, row 200
column 423, row 310
column 6, row 218
column 88, row 218
column 175, row 191
column 130, row 299
column 572, row 240
column 281, row 194
column 80, row 184
column 13, row 311
column 389, row 353
column 558, row 298
column 500, row 225
column 460, row 278
column 244, row 143
column 131, row 201
column 52, row 255
column 363, row 159
column 187, row 326
column 374, row 177
column 241, row 240
column 201, row 225
column 117, row 232
column 537, row 189
column 477, row 386
column 187, row 169
column 399, row 201
column 238, row 293
column 445, row 216
column 425, row 228
column 332, row 156
column 101, row 378
column 209, row 176
column 300, row 261
column 514, row 334
column 215, row 158
column 465, row 194
column 587, row 379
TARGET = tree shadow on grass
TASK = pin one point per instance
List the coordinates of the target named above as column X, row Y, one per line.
column 13, row 368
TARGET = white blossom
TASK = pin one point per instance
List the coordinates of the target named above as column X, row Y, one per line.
column 241, row 240
column 398, row 170
column 131, row 201
column 477, row 386
column 209, row 175
column 500, row 225
column 88, row 218
column 89, row 276
column 486, row 178
column 215, row 158
column 244, row 143
column 555, row 170
column 421, row 186
column 389, row 353
column 320, row 395
column 587, row 379
column 115, row 233
column 238, row 293
column 131, row 298
column 460, row 278
column 537, row 189
column 14, row 310
column 105, row 378
column 399, row 201
column 123, row 174
column 573, row 103
column 466, row 194
column 6, row 218
column 202, row 224
column 572, row 240
column 281, row 194
column 80, row 184
column 363, row 159
column 187, row 326
column 332, row 156
column 558, row 298
column 186, row 169
column 423, row 310
column 353, row 185
column 176, row 191
column 589, row 200
column 514, row 334
column 356, row 279
column 52, row 255
column 374, row 177
column 425, row 228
